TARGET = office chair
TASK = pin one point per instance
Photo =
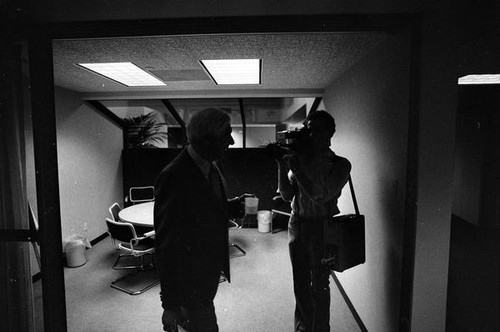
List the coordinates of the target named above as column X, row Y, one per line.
column 133, row 246
column 141, row 194
column 222, row 277
column 240, row 252
column 114, row 209
column 281, row 213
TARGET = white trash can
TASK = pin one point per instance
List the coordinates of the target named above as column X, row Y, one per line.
column 264, row 221
column 75, row 253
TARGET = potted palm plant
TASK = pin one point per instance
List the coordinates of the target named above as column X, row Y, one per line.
column 144, row 131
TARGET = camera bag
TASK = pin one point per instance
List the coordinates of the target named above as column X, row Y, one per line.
column 344, row 238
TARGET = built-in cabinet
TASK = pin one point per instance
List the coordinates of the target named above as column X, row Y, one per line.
column 246, row 170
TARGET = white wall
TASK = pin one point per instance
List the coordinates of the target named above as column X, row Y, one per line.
column 370, row 103
column 90, row 169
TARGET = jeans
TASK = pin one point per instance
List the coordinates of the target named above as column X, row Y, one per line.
column 310, row 277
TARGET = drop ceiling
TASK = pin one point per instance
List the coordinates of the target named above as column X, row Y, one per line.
column 301, row 64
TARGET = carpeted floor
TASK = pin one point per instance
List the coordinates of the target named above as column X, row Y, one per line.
column 259, row 298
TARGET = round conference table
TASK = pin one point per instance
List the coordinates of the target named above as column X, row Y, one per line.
column 138, row 214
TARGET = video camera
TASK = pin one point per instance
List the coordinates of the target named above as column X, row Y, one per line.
column 289, row 141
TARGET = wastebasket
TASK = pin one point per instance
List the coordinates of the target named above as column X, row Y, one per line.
column 75, row 254
column 264, row 221
column 75, row 247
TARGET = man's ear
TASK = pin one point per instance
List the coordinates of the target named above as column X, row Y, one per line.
column 206, row 146
column 208, row 143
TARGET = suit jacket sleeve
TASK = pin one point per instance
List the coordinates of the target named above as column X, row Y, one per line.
column 169, row 203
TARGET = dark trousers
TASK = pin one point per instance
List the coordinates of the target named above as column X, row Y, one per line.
column 198, row 308
column 310, row 277
column 200, row 319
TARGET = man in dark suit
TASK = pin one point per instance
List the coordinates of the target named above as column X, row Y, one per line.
column 191, row 222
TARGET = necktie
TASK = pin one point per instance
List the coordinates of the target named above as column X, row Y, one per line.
column 215, row 183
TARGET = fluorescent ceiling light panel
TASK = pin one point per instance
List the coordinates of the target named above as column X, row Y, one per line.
column 124, row 72
column 235, row 71
column 480, row 79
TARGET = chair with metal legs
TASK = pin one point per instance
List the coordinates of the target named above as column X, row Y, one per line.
column 134, row 247
column 239, row 251
column 141, row 194
column 113, row 210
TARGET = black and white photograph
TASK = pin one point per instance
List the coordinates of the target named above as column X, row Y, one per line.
column 250, row 166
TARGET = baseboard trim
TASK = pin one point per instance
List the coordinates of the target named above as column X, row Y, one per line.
column 37, row 276
column 349, row 303
column 99, row 239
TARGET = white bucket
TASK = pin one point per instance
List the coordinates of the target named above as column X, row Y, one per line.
column 75, row 254
column 251, row 205
column 264, row 221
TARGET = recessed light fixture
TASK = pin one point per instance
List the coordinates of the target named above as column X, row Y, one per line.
column 233, row 71
column 123, row 72
column 480, row 79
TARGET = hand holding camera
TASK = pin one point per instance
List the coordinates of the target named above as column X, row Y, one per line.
column 290, row 142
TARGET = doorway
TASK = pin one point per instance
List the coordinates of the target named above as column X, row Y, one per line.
column 143, row 28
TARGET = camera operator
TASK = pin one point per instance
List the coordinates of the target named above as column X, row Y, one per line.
column 312, row 179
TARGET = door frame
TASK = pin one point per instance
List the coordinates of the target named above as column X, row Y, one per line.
column 44, row 125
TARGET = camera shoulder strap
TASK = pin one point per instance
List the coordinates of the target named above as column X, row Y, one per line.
column 353, row 195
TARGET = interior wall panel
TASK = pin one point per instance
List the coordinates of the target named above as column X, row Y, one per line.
column 370, row 105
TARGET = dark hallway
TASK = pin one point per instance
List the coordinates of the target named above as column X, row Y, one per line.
column 474, row 278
